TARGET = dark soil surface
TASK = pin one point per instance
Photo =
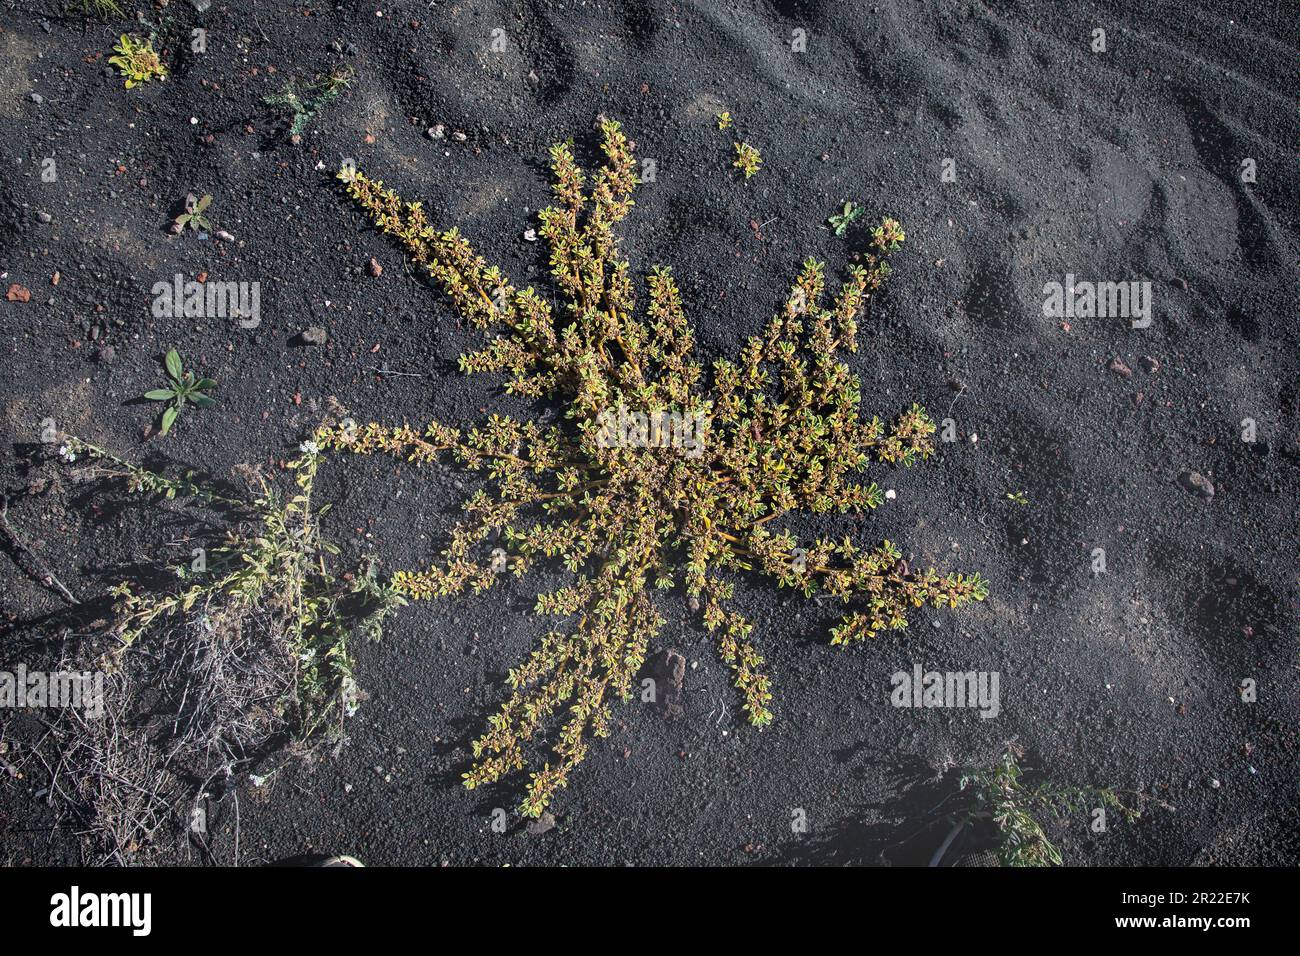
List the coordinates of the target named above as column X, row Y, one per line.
column 1112, row 166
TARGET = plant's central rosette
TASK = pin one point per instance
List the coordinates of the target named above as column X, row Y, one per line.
column 664, row 474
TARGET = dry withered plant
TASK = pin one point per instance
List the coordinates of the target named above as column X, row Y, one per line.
column 666, row 474
column 244, row 656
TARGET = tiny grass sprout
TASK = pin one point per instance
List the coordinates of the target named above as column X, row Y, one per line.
column 781, row 432
column 841, row 221
column 748, row 160
column 185, row 388
column 997, row 793
column 304, row 103
column 193, row 216
column 137, row 60
column 101, row 8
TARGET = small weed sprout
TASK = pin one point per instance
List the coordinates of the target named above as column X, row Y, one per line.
column 137, row 60
column 100, row 8
column 184, row 388
column 888, row 236
column 841, row 221
column 724, row 120
column 748, row 160
column 303, row 104
column 781, row 432
column 194, row 214
column 1017, row 497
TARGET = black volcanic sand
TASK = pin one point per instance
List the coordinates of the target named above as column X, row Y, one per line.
column 1122, row 165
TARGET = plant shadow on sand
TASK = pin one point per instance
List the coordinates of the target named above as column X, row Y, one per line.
column 994, row 814
column 908, row 826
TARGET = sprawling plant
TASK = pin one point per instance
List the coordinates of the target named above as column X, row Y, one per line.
column 664, row 474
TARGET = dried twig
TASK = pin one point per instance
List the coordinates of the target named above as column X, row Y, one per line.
column 27, row 559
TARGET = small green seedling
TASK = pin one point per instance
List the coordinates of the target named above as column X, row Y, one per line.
column 137, row 60
column 193, row 216
column 888, row 236
column 1018, row 497
column 185, row 388
column 724, row 120
column 303, row 103
column 841, row 221
column 748, row 159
